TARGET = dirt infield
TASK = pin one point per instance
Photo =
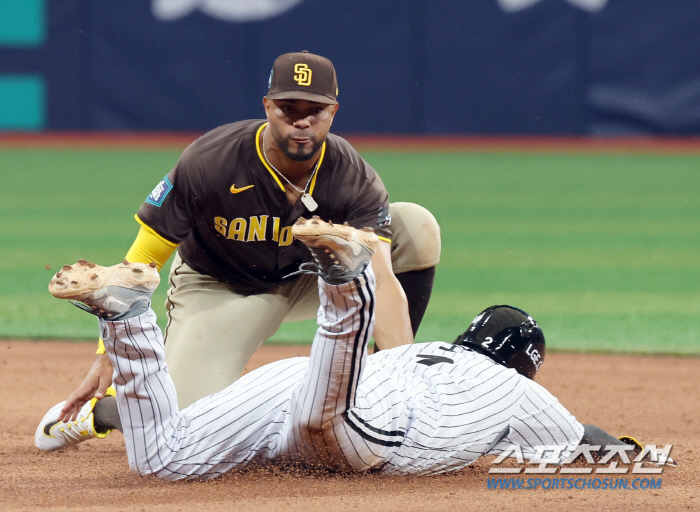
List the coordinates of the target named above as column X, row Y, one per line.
column 655, row 399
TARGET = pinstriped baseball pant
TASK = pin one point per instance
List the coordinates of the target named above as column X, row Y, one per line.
column 289, row 410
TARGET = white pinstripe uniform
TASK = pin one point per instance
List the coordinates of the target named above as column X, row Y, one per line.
column 422, row 408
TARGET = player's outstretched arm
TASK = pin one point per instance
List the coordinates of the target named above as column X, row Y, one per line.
column 95, row 384
column 393, row 324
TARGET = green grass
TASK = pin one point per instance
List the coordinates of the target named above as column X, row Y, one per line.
column 602, row 250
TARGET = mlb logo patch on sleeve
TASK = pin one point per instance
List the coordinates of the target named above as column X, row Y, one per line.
column 159, row 193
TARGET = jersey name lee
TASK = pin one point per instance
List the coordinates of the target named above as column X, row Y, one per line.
column 257, row 228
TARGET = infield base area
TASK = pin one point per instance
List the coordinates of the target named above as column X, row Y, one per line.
column 651, row 398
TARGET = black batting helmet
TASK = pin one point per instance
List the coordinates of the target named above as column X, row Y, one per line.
column 509, row 336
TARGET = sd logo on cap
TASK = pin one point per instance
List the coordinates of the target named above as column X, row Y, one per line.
column 303, row 76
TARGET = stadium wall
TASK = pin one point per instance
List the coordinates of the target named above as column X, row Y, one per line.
column 490, row 67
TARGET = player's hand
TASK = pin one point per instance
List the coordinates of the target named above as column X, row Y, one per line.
column 95, row 384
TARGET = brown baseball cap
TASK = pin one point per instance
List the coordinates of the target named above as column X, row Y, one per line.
column 303, row 76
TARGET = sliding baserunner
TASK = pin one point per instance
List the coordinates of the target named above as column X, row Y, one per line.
column 420, row 409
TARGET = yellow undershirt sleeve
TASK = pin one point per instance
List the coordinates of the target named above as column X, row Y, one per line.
column 149, row 246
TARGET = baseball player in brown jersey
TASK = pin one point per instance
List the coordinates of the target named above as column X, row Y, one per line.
column 228, row 207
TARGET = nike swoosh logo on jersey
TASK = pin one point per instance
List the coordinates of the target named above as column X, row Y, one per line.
column 235, row 190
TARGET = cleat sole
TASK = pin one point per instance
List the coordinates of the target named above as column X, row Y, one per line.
column 80, row 281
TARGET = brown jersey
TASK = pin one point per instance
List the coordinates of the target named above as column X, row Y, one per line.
column 229, row 211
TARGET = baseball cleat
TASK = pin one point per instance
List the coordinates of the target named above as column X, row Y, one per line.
column 341, row 252
column 113, row 293
column 52, row 434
